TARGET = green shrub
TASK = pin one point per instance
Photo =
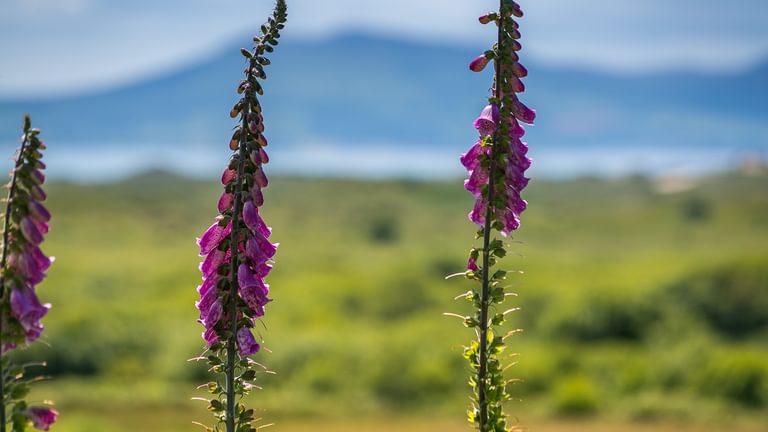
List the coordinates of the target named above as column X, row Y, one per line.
column 732, row 299
column 576, row 396
column 600, row 316
column 738, row 376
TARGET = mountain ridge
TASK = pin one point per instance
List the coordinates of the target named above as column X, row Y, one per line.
column 355, row 90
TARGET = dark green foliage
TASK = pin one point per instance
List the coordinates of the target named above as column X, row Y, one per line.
column 739, row 376
column 604, row 316
column 732, row 298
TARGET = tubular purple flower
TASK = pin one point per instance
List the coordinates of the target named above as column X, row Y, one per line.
column 479, row 63
column 260, row 178
column 472, row 264
column 516, row 85
column 477, row 215
column 487, row 18
column 470, row 159
column 210, row 336
column 28, row 266
column 41, row 417
column 246, row 343
column 38, row 193
column 519, row 70
column 43, row 262
column 38, row 212
column 228, row 176
column 258, row 196
column 477, row 179
column 212, row 261
column 523, row 113
column 254, row 221
column 38, row 176
column 225, row 201
column 516, row 131
column 212, row 237
column 26, row 308
column 214, row 313
column 31, row 231
column 486, row 123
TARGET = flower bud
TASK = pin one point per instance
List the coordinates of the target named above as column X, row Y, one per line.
column 515, row 84
column 479, row 63
column 519, row 70
column 487, row 18
column 236, row 109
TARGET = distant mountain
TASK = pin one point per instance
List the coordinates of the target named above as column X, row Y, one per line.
column 368, row 91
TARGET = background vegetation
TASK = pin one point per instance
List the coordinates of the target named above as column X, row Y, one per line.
column 639, row 304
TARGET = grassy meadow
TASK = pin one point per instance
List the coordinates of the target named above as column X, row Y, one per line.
column 644, row 305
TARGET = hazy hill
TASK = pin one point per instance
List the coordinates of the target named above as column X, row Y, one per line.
column 367, row 91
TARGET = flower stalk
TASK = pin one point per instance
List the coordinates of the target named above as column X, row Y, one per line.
column 496, row 166
column 237, row 251
column 22, row 266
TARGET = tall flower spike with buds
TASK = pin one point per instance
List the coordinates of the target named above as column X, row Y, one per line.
column 22, row 266
column 236, row 249
column 496, row 164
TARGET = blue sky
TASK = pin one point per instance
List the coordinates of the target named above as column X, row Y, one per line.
column 69, row 46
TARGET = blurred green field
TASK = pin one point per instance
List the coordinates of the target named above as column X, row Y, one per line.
column 640, row 306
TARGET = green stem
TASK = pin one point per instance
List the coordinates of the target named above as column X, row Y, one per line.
column 482, row 372
column 3, row 262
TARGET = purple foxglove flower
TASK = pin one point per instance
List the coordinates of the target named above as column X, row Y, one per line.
column 258, row 196
column 515, row 177
column 486, row 123
column 246, row 343
column 228, row 176
column 477, row 179
column 470, row 159
column 207, row 299
column 43, row 262
column 38, row 212
column 260, row 178
column 26, row 308
column 254, row 221
column 225, row 201
column 487, row 18
column 264, row 156
column 472, row 264
column 479, row 63
column 212, row 261
column 515, row 203
column 41, row 417
column 213, row 314
column 519, row 70
column 38, row 176
column 516, row 130
column 253, row 290
column 516, row 85
column 259, row 156
column 210, row 336
column 511, row 222
column 263, row 270
column 27, row 266
column 212, row 237
column 477, row 215
column 523, row 113
column 31, row 231
column 38, row 193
